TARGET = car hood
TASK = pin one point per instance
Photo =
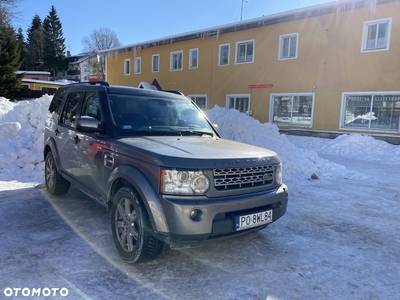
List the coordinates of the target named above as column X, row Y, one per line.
column 188, row 150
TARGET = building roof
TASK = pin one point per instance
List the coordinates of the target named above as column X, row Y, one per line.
column 292, row 15
column 82, row 57
column 27, row 80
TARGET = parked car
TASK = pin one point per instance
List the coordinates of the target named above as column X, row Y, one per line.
column 155, row 160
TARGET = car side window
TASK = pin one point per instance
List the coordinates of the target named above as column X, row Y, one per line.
column 69, row 113
column 57, row 100
column 91, row 106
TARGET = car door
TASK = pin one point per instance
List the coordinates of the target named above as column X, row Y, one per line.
column 66, row 137
column 87, row 165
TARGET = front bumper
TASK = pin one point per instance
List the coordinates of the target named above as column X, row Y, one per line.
column 217, row 215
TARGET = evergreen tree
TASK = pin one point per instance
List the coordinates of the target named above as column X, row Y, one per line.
column 34, row 47
column 10, row 82
column 22, row 48
column 54, row 43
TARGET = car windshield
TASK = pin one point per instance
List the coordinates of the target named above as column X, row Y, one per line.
column 147, row 115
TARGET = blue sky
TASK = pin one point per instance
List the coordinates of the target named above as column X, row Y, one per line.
column 136, row 21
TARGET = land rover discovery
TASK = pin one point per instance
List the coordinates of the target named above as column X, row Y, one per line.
column 155, row 160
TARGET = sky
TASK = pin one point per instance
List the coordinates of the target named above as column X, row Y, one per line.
column 137, row 21
column 337, row 240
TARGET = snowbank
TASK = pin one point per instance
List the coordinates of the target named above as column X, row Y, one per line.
column 296, row 162
column 21, row 133
column 22, row 129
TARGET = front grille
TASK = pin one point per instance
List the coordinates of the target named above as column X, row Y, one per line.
column 237, row 178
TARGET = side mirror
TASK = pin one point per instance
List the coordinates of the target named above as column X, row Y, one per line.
column 87, row 124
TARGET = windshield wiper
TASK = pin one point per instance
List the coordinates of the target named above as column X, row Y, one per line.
column 196, row 132
column 150, row 131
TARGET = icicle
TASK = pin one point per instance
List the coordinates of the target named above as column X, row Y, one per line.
column 371, row 6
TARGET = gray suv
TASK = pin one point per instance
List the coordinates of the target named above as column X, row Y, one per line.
column 154, row 159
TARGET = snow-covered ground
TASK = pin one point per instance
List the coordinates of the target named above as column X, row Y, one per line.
column 340, row 238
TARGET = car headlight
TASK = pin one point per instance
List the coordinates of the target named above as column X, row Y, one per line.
column 184, row 182
column 278, row 174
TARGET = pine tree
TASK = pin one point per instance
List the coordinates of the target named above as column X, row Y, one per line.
column 10, row 82
column 34, row 46
column 54, row 43
column 22, row 47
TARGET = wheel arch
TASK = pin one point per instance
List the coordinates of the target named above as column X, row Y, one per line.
column 129, row 175
column 50, row 146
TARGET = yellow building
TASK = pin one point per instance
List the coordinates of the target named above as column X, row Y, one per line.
column 326, row 69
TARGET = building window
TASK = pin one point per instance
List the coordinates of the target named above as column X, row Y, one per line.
column 376, row 35
column 223, row 59
column 176, row 61
column 138, row 65
column 239, row 102
column 371, row 111
column 292, row 109
column 245, row 52
column 127, row 66
column 200, row 100
column 193, row 58
column 288, row 46
column 155, row 63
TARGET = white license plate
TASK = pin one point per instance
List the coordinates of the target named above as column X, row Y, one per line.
column 253, row 220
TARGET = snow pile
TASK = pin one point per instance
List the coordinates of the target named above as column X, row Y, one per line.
column 21, row 133
column 297, row 162
column 362, row 147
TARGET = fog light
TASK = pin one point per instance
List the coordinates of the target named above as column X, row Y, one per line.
column 196, row 215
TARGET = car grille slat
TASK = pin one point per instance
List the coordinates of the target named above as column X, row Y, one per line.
column 244, row 177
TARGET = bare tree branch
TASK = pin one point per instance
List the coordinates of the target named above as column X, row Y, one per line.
column 100, row 39
column 8, row 10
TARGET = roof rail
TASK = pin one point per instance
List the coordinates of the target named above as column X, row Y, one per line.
column 174, row 92
column 155, row 86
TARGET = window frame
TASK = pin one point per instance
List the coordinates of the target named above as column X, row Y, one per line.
column 281, row 40
column 272, row 106
column 191, row 51
column 220, row 56
column 158, row 63
column 364, row 39
column 228, row 96
column 342, row 120
column 191, row 96
column 66, row 113
column 127, row 66
column 237, row 52
column 137, row 68
column 179, row 52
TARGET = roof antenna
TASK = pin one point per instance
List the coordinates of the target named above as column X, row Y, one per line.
column 241, row 11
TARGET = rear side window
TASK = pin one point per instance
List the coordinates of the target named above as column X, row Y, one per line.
column 71, row 108
column 57, row 100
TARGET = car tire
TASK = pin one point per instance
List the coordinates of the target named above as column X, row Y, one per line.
column 55, row 183
column 132, row 232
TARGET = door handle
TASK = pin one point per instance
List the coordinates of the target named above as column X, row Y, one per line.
column 77, row 139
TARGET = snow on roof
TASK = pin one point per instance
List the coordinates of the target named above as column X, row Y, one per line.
column 33, row 72
column 27, row 80
column 287, row 16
